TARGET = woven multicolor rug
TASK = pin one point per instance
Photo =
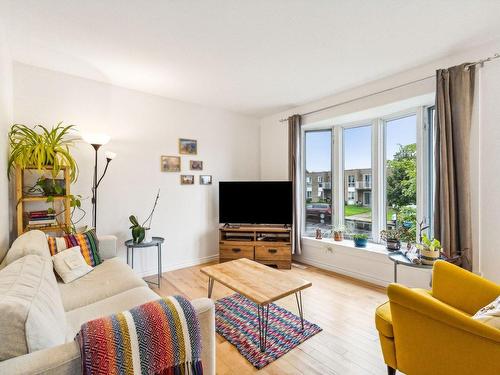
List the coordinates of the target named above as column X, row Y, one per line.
column 236, row 320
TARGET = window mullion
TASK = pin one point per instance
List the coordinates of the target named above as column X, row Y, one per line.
column 422, row 169
column 338, row 179
column 378, row 178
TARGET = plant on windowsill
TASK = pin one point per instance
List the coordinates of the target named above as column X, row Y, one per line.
column 338, row 232
column 360, row 240
column 392, row 238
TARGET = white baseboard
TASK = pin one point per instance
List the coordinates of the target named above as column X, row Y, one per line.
column 343, row 271
column 178, row 266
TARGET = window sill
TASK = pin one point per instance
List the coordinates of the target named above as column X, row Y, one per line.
column 370, row 247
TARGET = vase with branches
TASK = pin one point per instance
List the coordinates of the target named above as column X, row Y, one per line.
column 139, row 230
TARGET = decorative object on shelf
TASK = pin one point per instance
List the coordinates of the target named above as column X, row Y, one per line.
column 338, row 232
column 188, row 146
column 39, row 150
column 170, row 163
column 430, row 250
column 187, row 179
column 140, row 233
column 319, row 235
column 205, row 180
column 96, row 141
column 196, row 165
column 360, row 240
column 392, row 238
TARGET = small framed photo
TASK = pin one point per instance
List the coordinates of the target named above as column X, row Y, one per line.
column 170, row 163
column 188, row 146
column 187, row 179
column 196, row 165
column 205, row 180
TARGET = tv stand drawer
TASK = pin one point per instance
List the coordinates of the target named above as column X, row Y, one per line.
column 236, row 252
column 273, row 252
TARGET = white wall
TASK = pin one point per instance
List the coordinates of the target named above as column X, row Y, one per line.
column 142, row 128
column 5, row 120
column 485, row 146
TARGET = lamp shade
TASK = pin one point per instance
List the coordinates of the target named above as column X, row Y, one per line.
column 110, row 155
column 96, row 138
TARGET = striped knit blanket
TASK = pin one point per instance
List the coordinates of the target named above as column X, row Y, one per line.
column 159, row 337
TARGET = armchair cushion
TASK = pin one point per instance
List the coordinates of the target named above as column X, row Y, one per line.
column 490, row 314
column 383, row 320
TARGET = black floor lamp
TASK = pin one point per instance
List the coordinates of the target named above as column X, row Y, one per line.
column 97, row 140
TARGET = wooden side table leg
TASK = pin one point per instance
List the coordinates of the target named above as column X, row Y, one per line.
column 210, row 286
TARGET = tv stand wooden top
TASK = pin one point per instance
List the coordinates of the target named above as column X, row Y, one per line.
column 255, row 228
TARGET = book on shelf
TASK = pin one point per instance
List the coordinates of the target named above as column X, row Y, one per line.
column 42, row 222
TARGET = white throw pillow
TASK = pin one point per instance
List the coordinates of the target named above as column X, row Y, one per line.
column 70, row 264
column 490, row 314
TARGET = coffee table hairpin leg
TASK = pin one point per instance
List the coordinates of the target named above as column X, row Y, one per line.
column 263, row 316
column 298, row 297
column 210, row 287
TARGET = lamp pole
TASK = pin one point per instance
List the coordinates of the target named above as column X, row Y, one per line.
column 94, row 188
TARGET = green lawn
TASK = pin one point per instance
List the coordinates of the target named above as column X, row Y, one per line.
column 350, row 210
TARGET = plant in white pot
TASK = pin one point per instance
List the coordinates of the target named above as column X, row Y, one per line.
column 430, row 250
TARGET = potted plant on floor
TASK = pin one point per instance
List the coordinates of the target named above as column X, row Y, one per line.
column 430, row 250
column 338, row 233
column 360, row 240
column 392, row 238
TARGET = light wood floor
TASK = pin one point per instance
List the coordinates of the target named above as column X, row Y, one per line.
column 342, row 306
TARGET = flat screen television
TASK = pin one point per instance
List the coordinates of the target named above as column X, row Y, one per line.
column 255, row 202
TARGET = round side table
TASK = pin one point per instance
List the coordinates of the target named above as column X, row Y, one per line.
column 398, row 258
column 157, row 241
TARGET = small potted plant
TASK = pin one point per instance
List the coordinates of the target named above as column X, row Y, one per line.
column 338, row 232
column 140, row 232
column 392, row 238
column 430, row 250
column 360, row 240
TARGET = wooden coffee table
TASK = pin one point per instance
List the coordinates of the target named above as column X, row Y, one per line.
column 260, row 284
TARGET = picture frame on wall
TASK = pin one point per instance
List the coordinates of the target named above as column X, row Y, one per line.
column 187, row 179
column 205, row 180
column 196, row 165
column 188, row 146
column 170, row 163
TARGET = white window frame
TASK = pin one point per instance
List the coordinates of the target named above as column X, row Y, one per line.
column 378, row 180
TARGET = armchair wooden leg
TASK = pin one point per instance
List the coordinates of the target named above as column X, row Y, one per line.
column 390, row 371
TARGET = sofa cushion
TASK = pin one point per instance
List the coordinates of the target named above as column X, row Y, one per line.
column 32, row 316
column 109, row 278
column 70, row 264
column 490, row 314
column 115, row 304
column 32, row 242
column 88, row 242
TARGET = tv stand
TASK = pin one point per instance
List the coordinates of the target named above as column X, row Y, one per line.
column 266, row 244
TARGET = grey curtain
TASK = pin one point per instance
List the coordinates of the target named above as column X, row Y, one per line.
column 452, row 212
column 294, row 144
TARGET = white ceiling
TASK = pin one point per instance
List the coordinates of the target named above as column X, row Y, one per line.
column 254, row 57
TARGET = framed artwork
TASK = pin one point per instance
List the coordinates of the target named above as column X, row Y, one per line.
column 170, row 163
column 187, row 179
column 188, row 146
column 196, row 165
column 205, row 180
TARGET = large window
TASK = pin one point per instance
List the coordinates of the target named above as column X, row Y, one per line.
column 401, row 172
column 358, row 169
column 377, row 175
column 318, row 178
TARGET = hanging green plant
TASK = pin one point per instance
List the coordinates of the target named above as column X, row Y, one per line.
column 41, row 147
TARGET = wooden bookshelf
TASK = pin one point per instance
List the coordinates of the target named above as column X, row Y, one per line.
column 63, row 203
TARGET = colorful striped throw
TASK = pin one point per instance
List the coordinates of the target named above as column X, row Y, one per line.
column 89, row 245
column 158, row 337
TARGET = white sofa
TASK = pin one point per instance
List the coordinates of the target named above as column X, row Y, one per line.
column 109, row 288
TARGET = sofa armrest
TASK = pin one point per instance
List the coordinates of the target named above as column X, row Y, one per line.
column 205, row 310
column 462, row 289
column 107, row 247
column 59, row 360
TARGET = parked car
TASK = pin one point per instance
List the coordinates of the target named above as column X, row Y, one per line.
column 319, row 211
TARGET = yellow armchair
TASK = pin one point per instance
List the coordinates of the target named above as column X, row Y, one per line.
column 432, row 332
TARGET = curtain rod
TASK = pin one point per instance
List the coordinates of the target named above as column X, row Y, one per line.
column 479, row 62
